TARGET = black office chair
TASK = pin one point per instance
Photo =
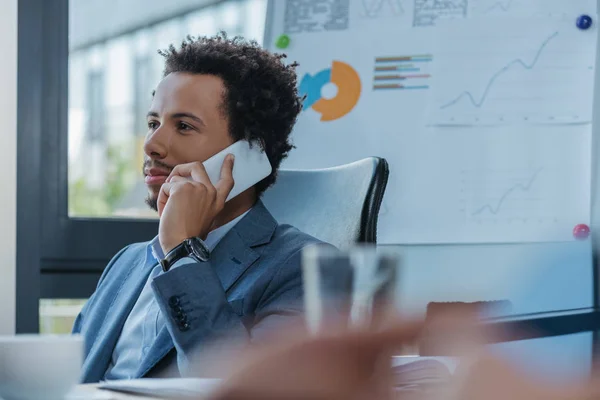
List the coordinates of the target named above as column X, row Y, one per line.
column 338, row 205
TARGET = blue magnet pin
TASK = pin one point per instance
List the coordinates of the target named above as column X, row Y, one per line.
column 584, row 22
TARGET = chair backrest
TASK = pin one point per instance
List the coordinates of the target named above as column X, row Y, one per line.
column 338, row 205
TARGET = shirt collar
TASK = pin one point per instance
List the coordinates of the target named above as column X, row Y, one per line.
column 212, row 240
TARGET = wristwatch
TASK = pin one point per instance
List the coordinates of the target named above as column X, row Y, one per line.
column 192, row 247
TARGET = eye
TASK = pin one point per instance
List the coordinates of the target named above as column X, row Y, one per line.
column 152, row 125
column 182, row 126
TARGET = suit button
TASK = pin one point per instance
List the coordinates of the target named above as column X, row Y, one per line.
column 177, row 312
column 174, row 301
column 177, row 309
column 180, row 318
column 184, row 327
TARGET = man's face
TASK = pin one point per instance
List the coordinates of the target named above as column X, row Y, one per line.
column 186, row 123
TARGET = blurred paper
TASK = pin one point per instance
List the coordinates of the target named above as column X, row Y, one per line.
column 194, row 388
column 418, row 374
column 89, row 392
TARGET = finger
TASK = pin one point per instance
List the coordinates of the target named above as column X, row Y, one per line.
column 168, row 189
column 457, row 333
column 437, row 332
column 194, row 170
column 225, row 184
column 177, row 178
column 399, row 333
column 163, row 196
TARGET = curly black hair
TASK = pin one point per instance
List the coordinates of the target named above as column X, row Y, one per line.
column 261, row 98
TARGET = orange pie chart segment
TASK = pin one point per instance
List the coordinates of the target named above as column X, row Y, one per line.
column 348, row 85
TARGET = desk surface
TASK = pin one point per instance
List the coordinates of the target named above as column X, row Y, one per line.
column 91, row 392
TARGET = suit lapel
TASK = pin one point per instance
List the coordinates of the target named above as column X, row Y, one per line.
column 233, row 255
column 101, row 352
column 231, row 259
column 236, row 252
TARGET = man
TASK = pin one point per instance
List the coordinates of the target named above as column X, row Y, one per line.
column 156, row 304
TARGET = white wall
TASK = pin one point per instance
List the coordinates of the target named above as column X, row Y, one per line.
column 8, row 162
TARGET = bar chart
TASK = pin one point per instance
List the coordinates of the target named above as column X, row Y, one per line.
column 410, row 72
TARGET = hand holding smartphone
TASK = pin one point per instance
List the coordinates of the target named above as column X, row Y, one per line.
column 251, row 166
column 186, row 211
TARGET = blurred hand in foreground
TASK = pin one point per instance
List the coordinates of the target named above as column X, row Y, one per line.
column 335, row 365
column 347, row 365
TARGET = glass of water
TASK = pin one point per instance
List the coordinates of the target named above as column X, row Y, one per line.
column 353, row 289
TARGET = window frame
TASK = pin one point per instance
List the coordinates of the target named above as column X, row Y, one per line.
column 29, row 96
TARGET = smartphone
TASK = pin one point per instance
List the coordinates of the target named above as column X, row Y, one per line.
column 251, row 165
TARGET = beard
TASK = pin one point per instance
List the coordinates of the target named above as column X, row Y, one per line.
column 152, row 199
column 152, row 202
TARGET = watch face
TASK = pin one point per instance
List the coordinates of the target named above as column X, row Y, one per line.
column 199, row 249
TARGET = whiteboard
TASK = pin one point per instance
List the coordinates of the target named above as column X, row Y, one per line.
column 482, row 108
column 537, row 270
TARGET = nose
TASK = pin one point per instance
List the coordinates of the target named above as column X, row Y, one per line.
column 156, row 145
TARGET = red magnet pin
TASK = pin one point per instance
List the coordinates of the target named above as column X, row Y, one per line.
column 581, row 232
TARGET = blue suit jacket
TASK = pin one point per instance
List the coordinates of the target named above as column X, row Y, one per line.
column 251, row 284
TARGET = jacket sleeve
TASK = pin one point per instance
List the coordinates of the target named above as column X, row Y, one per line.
column 197, row 311
column 81, row 316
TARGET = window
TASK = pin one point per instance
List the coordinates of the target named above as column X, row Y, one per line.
column 95, row 106
column 87, row 69
column 58, row 316
column 122, row 69
column 143, row 85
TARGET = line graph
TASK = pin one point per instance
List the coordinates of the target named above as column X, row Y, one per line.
column 504, row 6
column 375, row 8
column 528, row 66
column 496, row 208
column 537, row 72
column 529, row 8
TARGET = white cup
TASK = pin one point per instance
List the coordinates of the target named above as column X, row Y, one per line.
column 39, row 366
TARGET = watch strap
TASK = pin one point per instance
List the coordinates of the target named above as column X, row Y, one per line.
column 192, row 247
column 176, row 254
